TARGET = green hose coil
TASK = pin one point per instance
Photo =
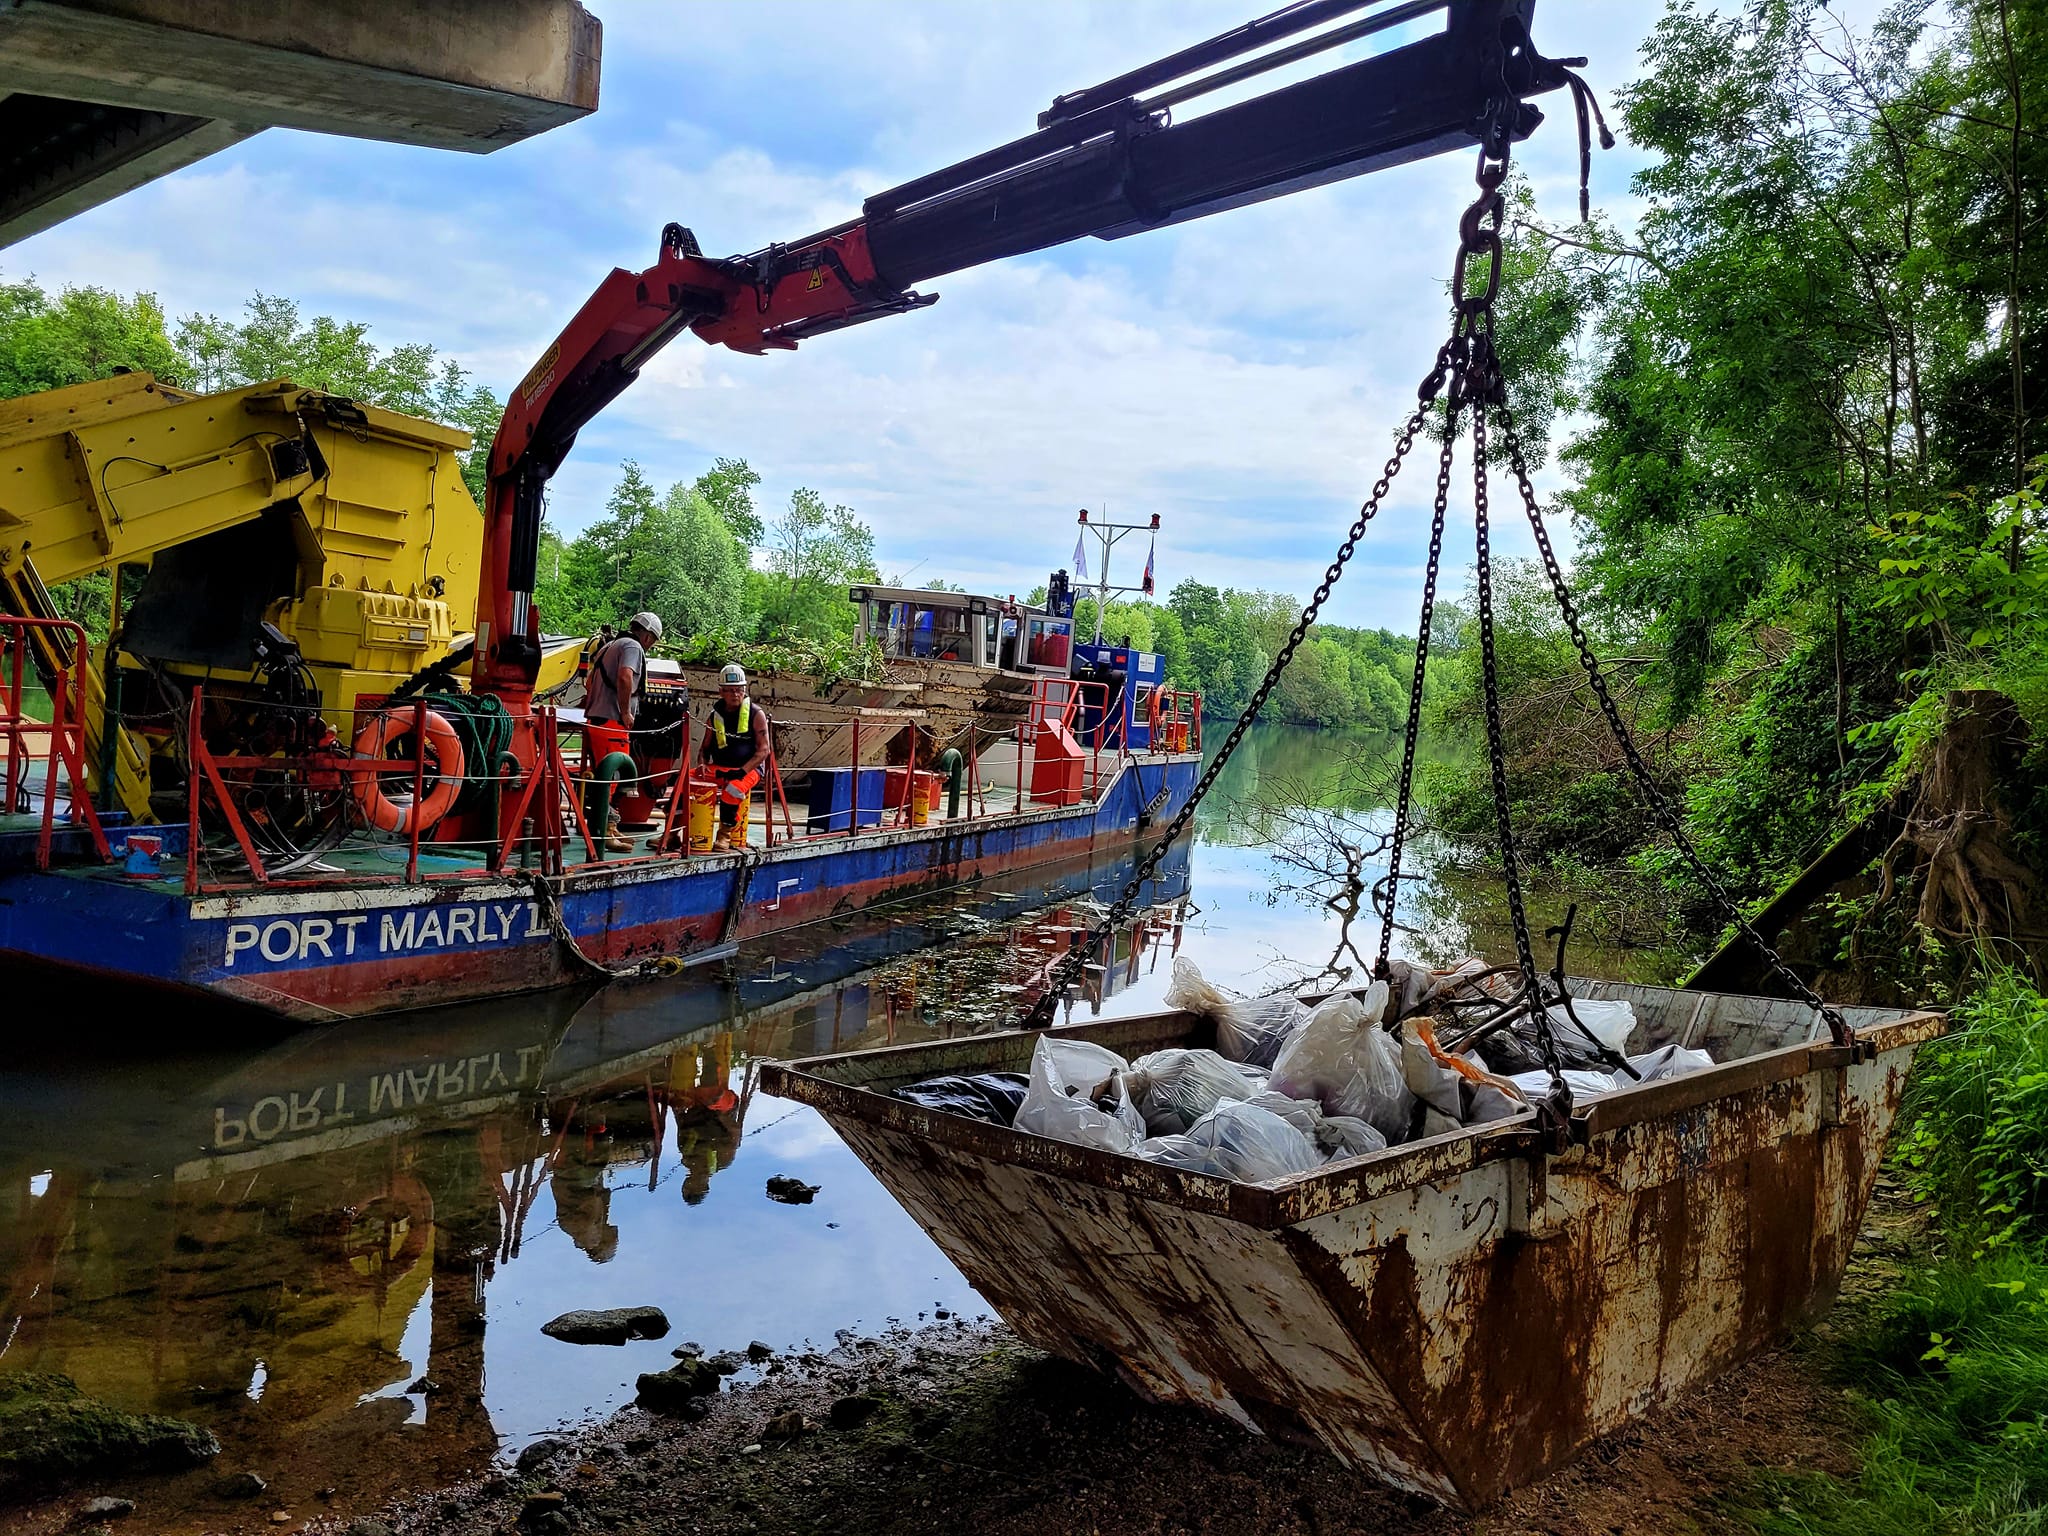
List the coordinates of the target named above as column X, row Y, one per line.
column 485, row 732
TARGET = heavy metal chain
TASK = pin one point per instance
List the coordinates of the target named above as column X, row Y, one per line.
column 1068, row 971
column 1476, row 380
column 1384, row 893
column 1659, row 803
column 1470, row 365
column 1488, row 386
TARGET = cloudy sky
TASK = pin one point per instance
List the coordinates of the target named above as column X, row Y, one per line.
column 1240, row 376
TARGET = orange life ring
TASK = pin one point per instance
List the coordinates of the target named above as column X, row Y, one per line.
column 378, row 808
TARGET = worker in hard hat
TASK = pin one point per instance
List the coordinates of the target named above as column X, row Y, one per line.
column 735, row 745
column 613, row 693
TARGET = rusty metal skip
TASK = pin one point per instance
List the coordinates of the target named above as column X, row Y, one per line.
column 1460, row 1315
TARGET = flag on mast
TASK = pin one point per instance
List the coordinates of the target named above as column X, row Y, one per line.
column 1080, row 554
column 1149, row 553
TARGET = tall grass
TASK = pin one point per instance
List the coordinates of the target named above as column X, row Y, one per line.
column 1952, row 1370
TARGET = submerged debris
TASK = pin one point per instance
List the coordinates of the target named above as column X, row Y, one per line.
column 788, row 1191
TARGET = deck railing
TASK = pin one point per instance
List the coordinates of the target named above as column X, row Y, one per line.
column 540, row 810
column 63, row 734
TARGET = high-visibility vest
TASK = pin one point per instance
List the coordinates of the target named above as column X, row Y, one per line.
column 743, row 726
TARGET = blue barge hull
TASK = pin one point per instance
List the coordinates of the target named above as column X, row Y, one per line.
column 344, row 948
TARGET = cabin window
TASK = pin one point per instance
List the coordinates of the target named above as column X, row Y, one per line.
column 945, row 634
column 1048, row 642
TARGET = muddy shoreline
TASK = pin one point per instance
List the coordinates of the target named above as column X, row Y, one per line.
column 958, row 1425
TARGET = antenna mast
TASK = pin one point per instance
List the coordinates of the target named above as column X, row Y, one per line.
column 1107, row 534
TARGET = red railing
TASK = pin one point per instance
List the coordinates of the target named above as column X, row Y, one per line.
column 207, row 772
column 542, row 811
column 553, row 783
column 1179, row 719
column 63, row 732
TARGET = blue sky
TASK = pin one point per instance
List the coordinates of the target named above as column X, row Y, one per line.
column 1241, row 376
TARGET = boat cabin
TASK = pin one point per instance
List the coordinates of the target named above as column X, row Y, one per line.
column 1123, row 711
column 915, row 623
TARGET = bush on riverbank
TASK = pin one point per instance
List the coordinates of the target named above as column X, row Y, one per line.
column 1952, row 1370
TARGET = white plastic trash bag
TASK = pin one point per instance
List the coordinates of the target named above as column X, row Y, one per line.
column 1339, row 1136
column 1411, row 985
column 1494, row 1099
column 1174, row 1088
column 1248, row 1029
column 1670, row 1061
column 1305, row 1115
column 1438, row 1086
column 1584, row 1085
column 1175, row 1152
column 1348, row 1064
column 1611, row 1024
column 1067, row 1077
column 1237, row 1140
column 1436, row 1123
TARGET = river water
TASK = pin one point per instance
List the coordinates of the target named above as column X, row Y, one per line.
column 336, row 1248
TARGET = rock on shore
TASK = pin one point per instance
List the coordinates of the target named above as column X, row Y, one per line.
column 612, row 1326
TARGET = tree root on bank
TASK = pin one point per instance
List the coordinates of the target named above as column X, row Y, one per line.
column 1959, row 843
column 1899, row 908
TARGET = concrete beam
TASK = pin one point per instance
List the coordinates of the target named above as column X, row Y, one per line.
column 114, row 150
column 448, row 74
column 120, row 91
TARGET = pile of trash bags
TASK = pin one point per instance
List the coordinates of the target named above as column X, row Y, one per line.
column 1291, row 1088
column 1191, row 1109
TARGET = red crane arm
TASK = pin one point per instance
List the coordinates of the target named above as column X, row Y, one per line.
column 1106, row 162
column 748, row 305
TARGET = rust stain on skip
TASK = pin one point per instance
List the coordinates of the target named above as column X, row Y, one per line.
column 1462, row 1315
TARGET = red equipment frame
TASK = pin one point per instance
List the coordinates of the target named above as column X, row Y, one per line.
column 65, row 730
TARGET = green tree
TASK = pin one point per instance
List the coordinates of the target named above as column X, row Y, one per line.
column 599, row 581
column 816, row 553
column 1316, row 688
column 80, row 335
column 273, row 341
column 728, row 487
column 696, row 568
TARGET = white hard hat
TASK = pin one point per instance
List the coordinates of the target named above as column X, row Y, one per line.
column 734, row 676
column 651, row 622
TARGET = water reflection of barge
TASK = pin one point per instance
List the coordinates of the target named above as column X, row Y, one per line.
column 175, row 1232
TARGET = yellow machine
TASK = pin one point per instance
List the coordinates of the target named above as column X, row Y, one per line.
column 346, row 528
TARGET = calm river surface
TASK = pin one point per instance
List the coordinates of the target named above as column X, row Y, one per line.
column 358, row 1305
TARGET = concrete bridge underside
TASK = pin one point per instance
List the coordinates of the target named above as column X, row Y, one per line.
column 100, row 96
